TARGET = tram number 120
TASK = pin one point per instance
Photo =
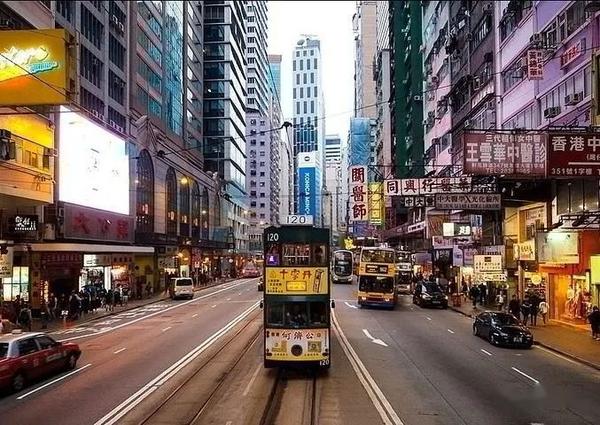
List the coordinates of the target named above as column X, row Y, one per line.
column 272, row 237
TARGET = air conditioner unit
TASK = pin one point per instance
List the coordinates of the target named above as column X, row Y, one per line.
column 50, row 152
column 551, row 112
column 120, row 129
column 468, row 124
column 121, row 28
column 417, row 98
column 95, row 113
column 435, row 79
column 573, row 98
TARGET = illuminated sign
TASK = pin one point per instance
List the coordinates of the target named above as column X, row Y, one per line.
column 25, row 223
column 94, row 165
column 297, row 280
column 36, row 63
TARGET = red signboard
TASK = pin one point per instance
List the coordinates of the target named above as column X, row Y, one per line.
column 535, row 64
column 492, row 153
column 574, row 155
column 572, row 53
column 92, row 224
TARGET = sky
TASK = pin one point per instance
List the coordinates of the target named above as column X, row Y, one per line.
column 331, row 22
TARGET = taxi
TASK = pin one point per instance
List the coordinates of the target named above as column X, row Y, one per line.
column 29, row 356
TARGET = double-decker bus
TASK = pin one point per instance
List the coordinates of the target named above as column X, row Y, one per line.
column 377, row 277
column 296, row 296
column 341, row 267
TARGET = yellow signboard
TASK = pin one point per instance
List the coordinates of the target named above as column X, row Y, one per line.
column 33, row 67
column 377, row 269
column 32, row 129
column 297, row 344
column 376, row 203
column 297, row 280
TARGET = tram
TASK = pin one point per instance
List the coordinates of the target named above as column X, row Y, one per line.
column 377, row 277
column 296, row 296
column 342, row 269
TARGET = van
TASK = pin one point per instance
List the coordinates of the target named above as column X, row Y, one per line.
column 183, row 287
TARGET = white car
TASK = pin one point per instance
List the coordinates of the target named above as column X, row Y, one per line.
column 183, row 287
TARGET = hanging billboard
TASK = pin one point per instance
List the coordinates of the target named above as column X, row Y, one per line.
column 574, row 155
column 358, row 204
column 557, row 247
column 307, row 185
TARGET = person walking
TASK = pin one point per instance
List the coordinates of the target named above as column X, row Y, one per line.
column 514, row 306
column 535, row 306
column 25, row 317
column 544, row 307
column 594, row 319
column 474, row 293
column 500, row 301
column 483, row 294
column 526, row 310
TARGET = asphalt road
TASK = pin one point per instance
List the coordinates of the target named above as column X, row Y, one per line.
column 124, row 352
column 432, row 370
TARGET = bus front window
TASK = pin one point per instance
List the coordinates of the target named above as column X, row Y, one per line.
column 376, row 284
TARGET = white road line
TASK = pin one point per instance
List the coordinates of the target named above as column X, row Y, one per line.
column 228, row 299
column 167, row 328
column 195, row 315
column 120, row 350
column 451, row 331
column 47, row 384
column 106, row 330
column 428, row 318
column 556, row 355
column 239, row 293
column 213, row 306
column 525, row 375
column 122, row 409
column 486, row 352
column 349, row 305
column 367, row 334
column 254, row 375
column 228, row 422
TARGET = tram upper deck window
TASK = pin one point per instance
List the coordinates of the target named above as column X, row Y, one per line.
column 319, row 255
column 272, row 255
column 297, row 314
column 296, row 255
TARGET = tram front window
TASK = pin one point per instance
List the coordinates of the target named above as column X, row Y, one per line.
column 376, row 284
column 295, row 314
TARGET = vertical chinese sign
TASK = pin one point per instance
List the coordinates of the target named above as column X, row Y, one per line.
column 358, row 204
column 376, row 203
column 535, row 64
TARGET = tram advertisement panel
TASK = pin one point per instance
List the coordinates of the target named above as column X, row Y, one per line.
column 297, row 344
column 296, row 281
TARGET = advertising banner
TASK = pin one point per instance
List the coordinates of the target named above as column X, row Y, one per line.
column 535, row 64
column 34, row 67
column 90, row 224
column 314, row 342
column 467, row 201
column 307, row 188
column 358, row 204
column 376, row 203
column 574, row 155
column 524, row 251
column 427, row 186
column 297, row 281
column 487, row 263
column 493, row 154
column 6, row 262
column 557, row 247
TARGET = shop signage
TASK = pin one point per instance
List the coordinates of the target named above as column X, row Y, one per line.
column 6, row 260
column 595, row 269
column 491, row 276
column 487, row 263
column 120, row 259
column 416, row 201
column 456, row 229
column 467, row 201
column 358, row 186
column 524, row 251
column 574, row 155
column 572, row 53
column 535, row 64
column 416, row 227
column 469, row 256
column 457, row 256
column 492, row 154
column 24, row 223
column 422, row 258
column 427, row 186
column 376, row 204
column 558, row 247
column 35, row 63
column 439, row 242
column 64, row 259
column 94, row 260
column 90, row 224
column 306, row 281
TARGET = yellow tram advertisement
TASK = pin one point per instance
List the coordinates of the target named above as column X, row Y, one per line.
column 297, row 345
column 297, row 281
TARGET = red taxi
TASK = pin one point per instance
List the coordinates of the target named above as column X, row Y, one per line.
column 250, row 270
column 29, row 356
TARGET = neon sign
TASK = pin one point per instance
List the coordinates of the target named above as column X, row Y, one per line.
column 16, row 62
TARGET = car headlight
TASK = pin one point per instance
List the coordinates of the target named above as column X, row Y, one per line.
column 446, row 297
column 426, row 296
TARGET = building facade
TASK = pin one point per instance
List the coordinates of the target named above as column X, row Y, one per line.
column 364, row 26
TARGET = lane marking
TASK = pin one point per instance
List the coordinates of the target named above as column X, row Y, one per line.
column 380, row 402
column 428, row 318
column 228, row 422
column 557, row 355
column 178, row 305
column 350, row 305
column 525, row 375
column 486, row 352
column 47, row 384
column 122, row 409
column 239, row 293
column 451, row 331
column 167, row 328
column 228, row 299
column 213, row 306
column 252, row 379
column 120, row 350
column 195, row 315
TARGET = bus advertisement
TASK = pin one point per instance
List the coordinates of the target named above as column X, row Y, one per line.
column 377, row 277
column 296, row 296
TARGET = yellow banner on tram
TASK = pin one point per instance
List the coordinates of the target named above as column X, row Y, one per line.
column 297, row 344
column 296, row 281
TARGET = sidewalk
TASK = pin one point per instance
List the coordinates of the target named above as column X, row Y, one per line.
column 569, row 341
column 100, row 313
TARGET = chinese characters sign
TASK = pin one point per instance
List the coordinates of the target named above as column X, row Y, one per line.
column 494, row 153
column 359, row 207
column 25, row 223
column 535, row 64
column 6, row 262
column 88, row 223
column 487, row 263
column 558, row 247
column 427, row 186
column 297, row 281
column 466, row 201
column 572, row 53
column 571, row 155
column 416, row 201
column 376, row 203
column 314, row 342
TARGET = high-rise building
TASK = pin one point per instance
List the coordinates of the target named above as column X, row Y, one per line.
column 258, row 62
column 225, row 60
column 308, row 112
column 365, row 42
column 383, row 147
column 333, row 148
column 335, row 172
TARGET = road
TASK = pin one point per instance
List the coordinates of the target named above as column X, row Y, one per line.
column 432, row 370
column 123, row 353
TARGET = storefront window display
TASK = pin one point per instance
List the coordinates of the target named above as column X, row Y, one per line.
column 18, row 284
column 572, row 298
column 535, row 283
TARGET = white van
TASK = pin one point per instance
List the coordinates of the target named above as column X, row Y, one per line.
column 182, row 287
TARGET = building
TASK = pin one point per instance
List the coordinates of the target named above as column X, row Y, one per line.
column 333, row 148
column 365, row 42
column 308, row 113
column 361, row 145
column 225, row 92
column 336, row 184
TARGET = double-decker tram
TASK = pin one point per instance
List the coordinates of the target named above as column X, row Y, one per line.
column 296, row 296
column 377, row 277
column 341, row 267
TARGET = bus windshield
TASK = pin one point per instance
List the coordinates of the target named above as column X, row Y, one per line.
column 297, row 314
column 342, row 263
column 376, row 284
column 375, row 255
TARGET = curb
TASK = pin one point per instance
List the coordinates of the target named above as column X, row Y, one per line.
column 546, row 346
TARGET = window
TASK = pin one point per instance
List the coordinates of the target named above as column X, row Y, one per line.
column 312, row 107
column 253, row 204
column 27, row 346
column 513, row 14
column 91, row 67
column 294, row 65
column 171, row 185
column 297, row 53
column 144, row 194
column 149, row 46
column 514, row 74
column 262, row 143
column 301, row 65
column 262, row 174
column 149, row 75
column 315, row 63
column 253, row 142
column 91, row 27
column 66, row 9
column 305, row 109
column 304, row 77
column 307, row 64
column 262, row 194
column 262, row 204
column 297, row 107
column 296, row 254
column 262, row 215
column 297, row 314
column 481, row 32
column 294, row 93
column 116, row 87
column 297, row 78
column 45, row 342
column 312, row 78
column 304, row 53
column 262, row 153
column 116, row 52
column 301, row 92
column 315, row 91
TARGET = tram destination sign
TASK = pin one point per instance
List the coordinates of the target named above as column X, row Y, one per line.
column 299, row 220
column 468, row 201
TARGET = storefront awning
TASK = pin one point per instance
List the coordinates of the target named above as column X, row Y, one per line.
column 95, row 248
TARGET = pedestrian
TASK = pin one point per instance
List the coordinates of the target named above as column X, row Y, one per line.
column 535, row 306
column 500, row 301
column 526, row 310
column 25, row 317
column 514, row 306
column 544, row 307
column 465, row 289
column 594, row 319
column 483, row 293
column 474, row 293
column 125, row 297
column 52, row 301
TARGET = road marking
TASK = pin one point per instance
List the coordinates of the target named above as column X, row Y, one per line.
column 228, row 299
column 195, row 314
column 373, row 339
column 213, row 306
column 178, row 305
column 122, row 409
column 239, row 293
column 428, row 318
column 525, row 375
column 451, row 331
column 47, row 384
column 120, row 350
column 254, row 375
column 228, row 422
column 381, row 403
column 167, row 328
column 556, row 354
column 350, row 305
column 486, row 352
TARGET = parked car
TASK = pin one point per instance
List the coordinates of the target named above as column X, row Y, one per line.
column 183, row 287
column 429, row 294
column 29, row 356
column 502, row 329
